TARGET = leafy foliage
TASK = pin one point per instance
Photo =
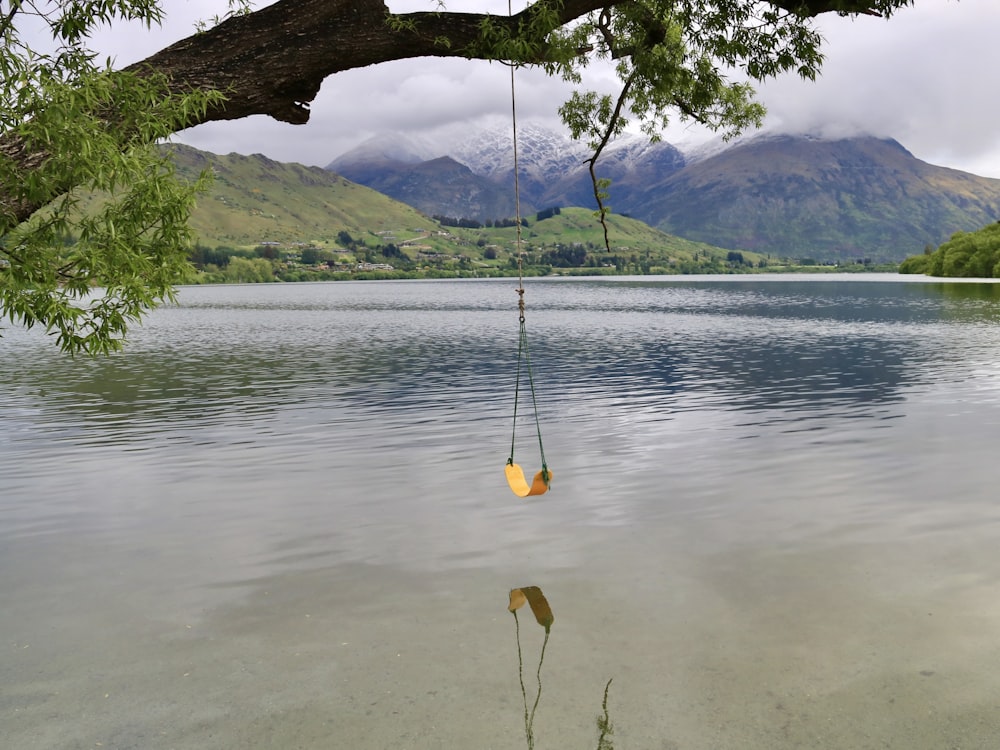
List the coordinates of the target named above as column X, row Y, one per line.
column 914, row 264
column 85, row 276
column 966, row 255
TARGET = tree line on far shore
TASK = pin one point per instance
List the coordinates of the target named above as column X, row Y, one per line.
column 970, row 255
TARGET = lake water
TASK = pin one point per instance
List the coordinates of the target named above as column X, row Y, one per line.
column 279, row 519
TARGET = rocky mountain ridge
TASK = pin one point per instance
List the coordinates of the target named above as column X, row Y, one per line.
column 861, row 197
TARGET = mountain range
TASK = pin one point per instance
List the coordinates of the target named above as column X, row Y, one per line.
column 795, row 196
column 255, row 201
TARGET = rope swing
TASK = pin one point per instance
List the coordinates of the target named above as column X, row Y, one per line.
column 515, row 474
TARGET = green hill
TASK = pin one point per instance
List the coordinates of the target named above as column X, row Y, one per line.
column 255, row 201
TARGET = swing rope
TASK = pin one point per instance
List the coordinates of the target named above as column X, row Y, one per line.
column 523, row 353
column 515, row 475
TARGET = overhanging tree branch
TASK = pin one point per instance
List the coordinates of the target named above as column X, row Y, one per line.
column 274, row 60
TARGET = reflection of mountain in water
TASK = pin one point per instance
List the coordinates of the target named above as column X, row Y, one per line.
column 651, row 346
column 758, row 345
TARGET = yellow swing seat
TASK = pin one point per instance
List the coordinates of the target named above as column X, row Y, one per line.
column 519, row 485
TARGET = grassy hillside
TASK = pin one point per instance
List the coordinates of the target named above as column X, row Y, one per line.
column 579, row 226
column 255, row 200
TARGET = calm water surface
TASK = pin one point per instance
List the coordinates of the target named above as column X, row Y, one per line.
column 279, row 519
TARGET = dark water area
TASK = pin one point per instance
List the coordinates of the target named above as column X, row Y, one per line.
column 279, row 518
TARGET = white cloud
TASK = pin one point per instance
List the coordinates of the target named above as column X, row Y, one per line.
column 923, row 77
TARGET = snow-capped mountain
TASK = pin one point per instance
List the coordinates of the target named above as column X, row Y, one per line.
column 389, row 148
column 550, row 161
column 540, row 152
column 831, row 198
column 553, row 169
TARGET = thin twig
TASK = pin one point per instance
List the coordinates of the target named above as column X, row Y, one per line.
column 602, row 211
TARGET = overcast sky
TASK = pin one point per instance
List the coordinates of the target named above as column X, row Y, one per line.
column 927, row 77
